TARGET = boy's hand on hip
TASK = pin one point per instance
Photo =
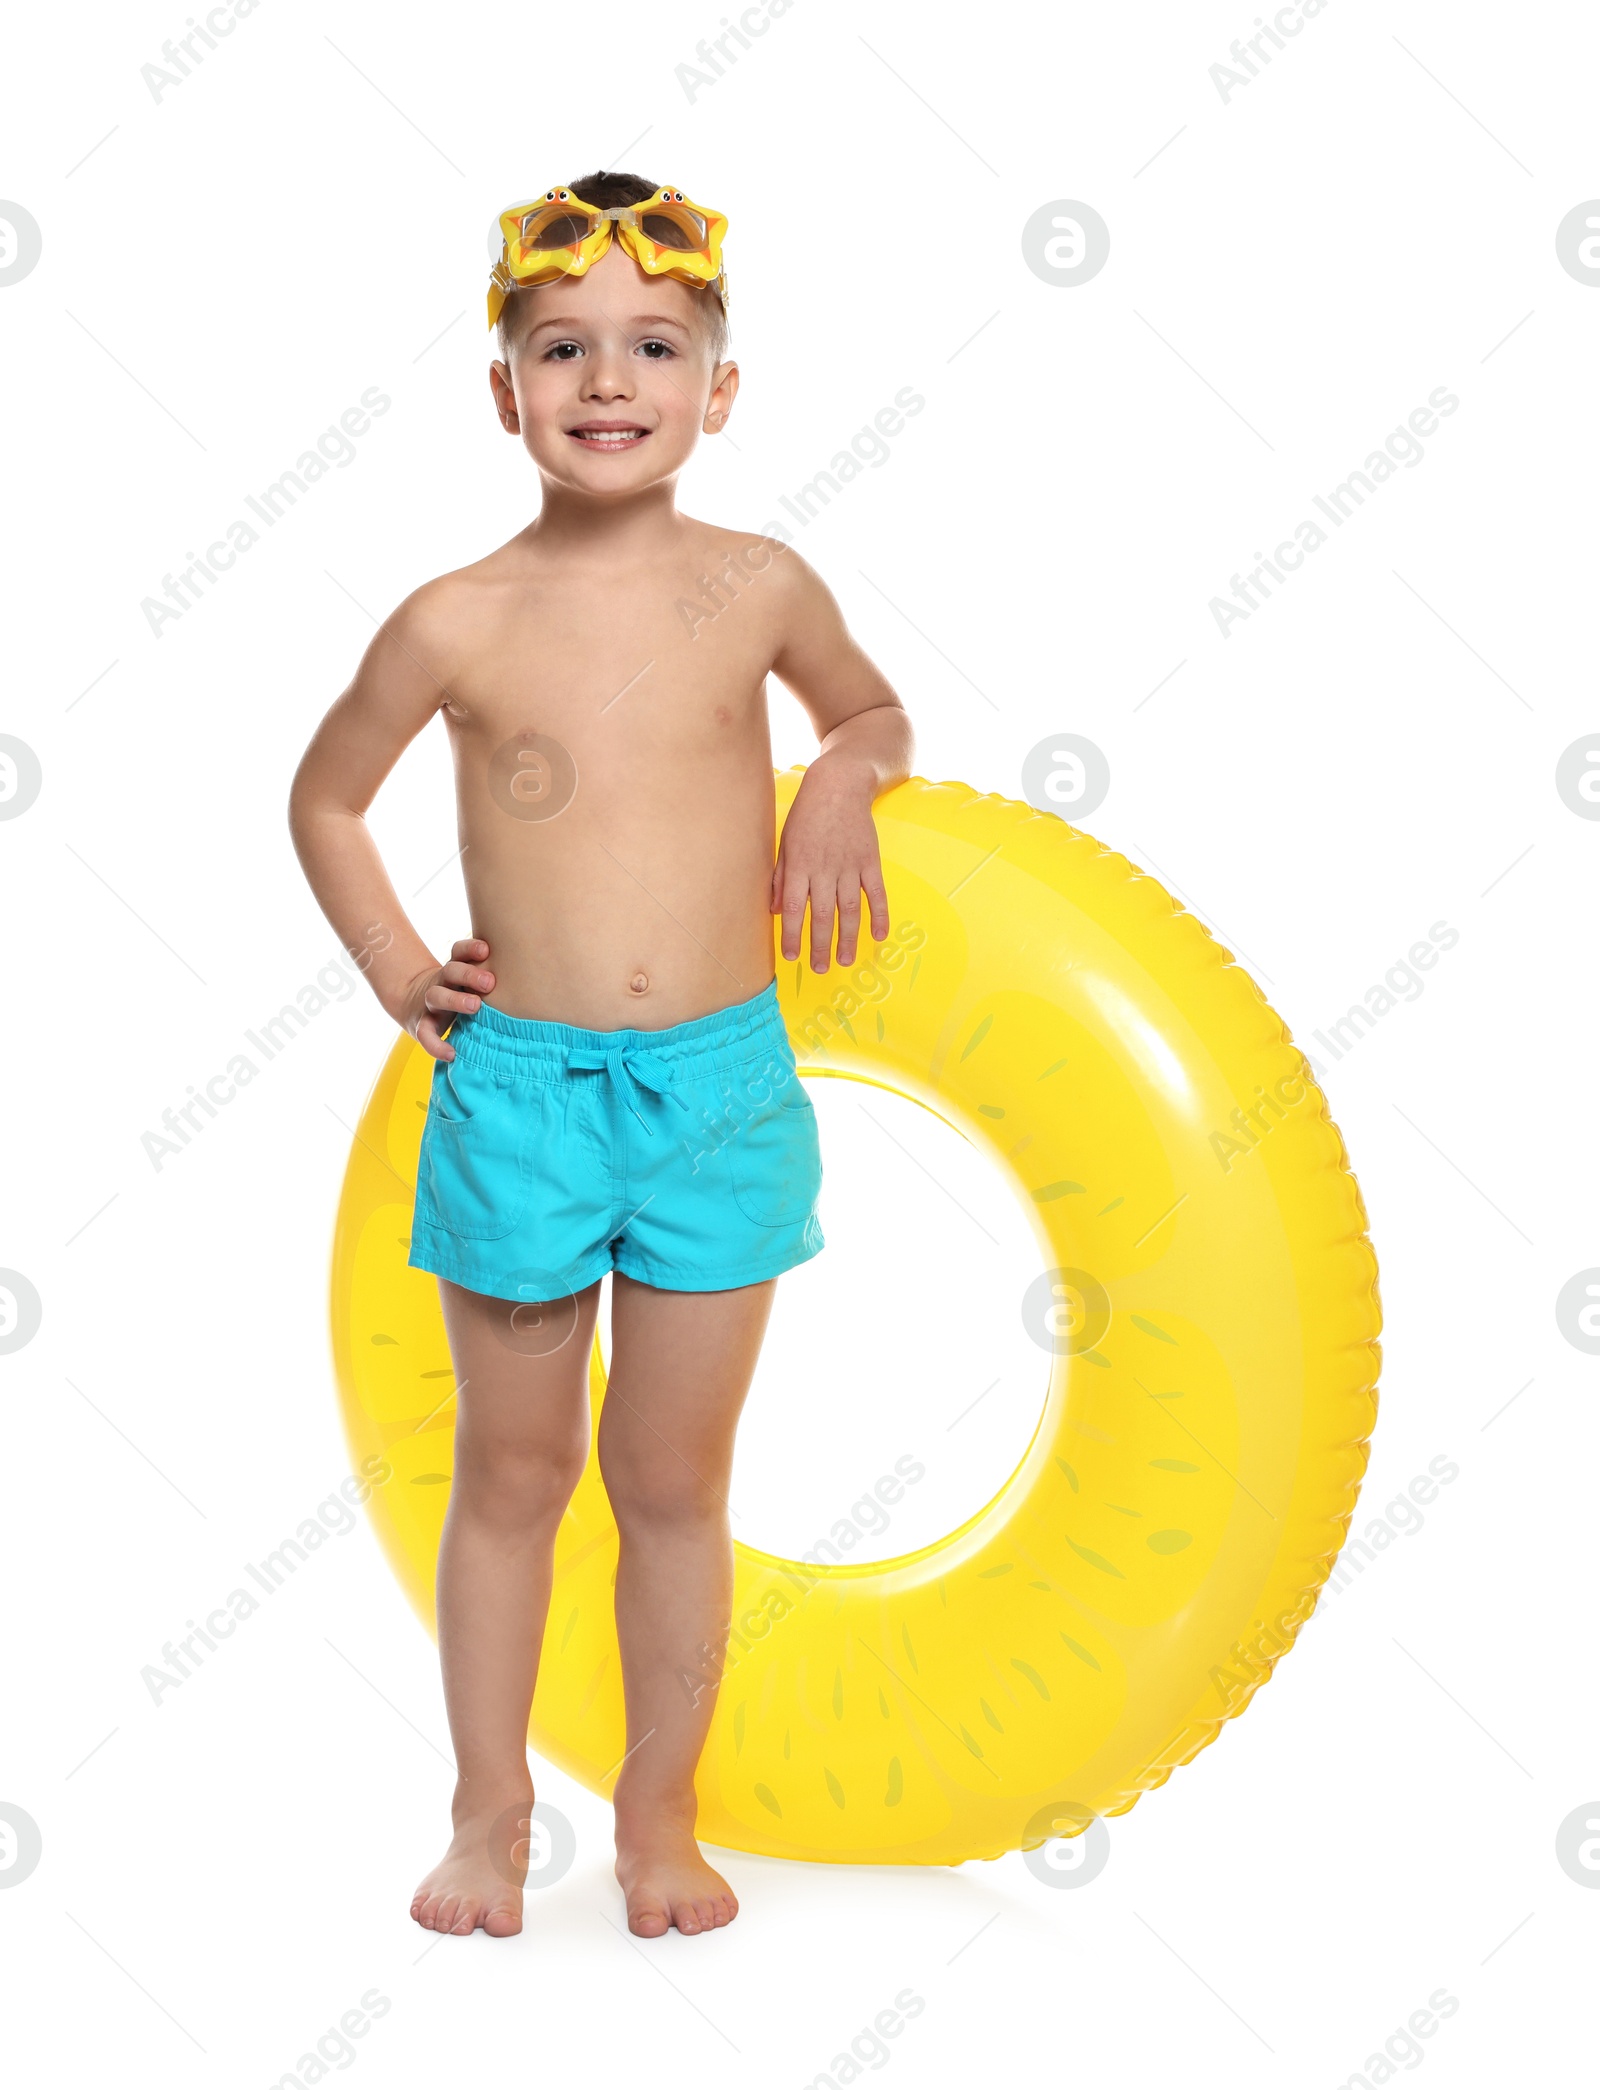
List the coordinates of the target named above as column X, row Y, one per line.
column 453, row 989
column 828, row 856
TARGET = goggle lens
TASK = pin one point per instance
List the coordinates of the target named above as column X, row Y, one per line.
column 543, row 231
column 685, row 231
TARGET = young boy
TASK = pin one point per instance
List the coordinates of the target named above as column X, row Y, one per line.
column 602, row 678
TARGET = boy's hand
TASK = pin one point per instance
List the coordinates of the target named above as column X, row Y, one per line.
column 455, row 988
column 829, row 856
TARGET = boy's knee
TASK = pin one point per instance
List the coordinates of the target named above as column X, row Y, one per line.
column 658, row 1492
column 519, row 1481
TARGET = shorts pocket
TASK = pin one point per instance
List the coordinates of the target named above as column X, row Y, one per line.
column 774, row 1155
column 475, row 1170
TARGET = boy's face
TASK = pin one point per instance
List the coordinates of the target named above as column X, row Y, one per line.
column 610, row 380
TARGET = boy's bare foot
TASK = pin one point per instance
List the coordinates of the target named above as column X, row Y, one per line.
column 473, row 1882
column 667, row 1882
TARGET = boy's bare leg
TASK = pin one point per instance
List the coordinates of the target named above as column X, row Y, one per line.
column 681, row 1365
column 522, row 1436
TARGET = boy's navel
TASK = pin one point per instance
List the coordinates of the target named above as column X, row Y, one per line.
column 639, row 984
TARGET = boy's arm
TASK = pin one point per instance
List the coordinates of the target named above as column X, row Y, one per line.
column 393, row 695
column 829, row 851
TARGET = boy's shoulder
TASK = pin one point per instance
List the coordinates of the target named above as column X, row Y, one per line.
column 453, row 600
column 434, row 635
column 724, row 539
column 506, row 566
column 774, row 558
column 748, row 540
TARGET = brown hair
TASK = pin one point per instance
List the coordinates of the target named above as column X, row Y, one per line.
column 606, row 191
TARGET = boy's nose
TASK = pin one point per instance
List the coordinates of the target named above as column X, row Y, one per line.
column 608, row 376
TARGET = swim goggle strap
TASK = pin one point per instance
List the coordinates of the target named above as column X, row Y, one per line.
column 558, row 234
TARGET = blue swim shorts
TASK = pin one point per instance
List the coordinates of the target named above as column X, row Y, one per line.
column 686, row 1158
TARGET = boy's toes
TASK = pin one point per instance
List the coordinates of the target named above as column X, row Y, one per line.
column 466, row 1890
column 648, row 1919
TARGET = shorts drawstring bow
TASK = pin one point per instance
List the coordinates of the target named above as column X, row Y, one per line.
column 626, row 1067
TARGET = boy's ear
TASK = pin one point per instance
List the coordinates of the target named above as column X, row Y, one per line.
column 505, row 399
column 724, row 390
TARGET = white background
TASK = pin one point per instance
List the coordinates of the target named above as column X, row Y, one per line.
column 1292, row 271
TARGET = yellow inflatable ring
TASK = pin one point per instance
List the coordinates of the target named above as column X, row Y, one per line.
column 1210, row 1301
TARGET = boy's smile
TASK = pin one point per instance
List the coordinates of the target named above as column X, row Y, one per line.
column 609, row 435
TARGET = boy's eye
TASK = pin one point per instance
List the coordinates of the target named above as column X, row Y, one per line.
column 656, row 350
column 555, row 351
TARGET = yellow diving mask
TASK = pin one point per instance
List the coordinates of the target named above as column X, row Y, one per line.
column 558, row 234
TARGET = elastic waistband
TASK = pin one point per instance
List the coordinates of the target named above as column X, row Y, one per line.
column 531, row 1046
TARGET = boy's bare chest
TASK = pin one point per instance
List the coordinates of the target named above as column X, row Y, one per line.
column 659, row 680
